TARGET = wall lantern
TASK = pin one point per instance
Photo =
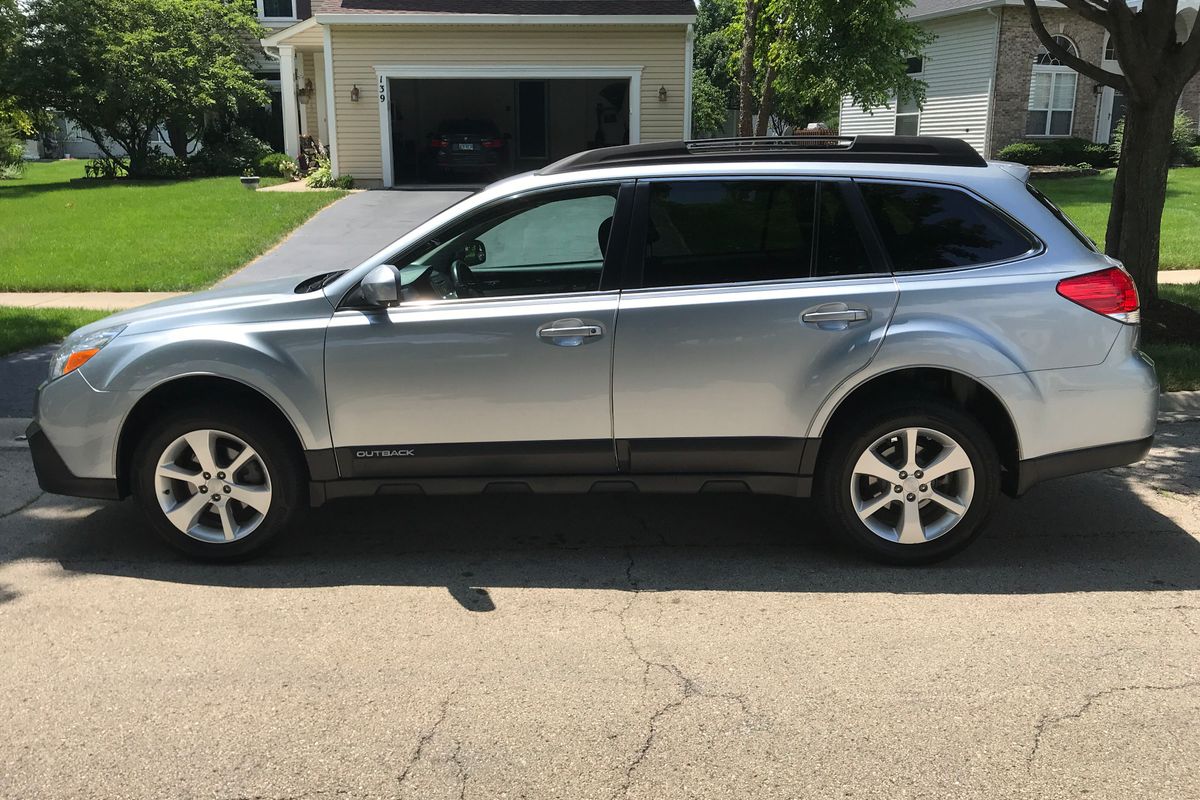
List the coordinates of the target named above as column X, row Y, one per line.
column 355, row 94
column 306, row 91
column 662, row 94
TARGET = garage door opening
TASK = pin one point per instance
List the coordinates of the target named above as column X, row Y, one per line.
column 475, row 130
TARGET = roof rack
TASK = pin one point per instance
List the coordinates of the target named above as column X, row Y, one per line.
column 933, row 150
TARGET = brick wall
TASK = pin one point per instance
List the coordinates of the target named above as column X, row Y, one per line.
column 1014, row 69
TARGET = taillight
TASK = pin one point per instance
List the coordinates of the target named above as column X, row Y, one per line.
column 493, row 144
column 1110, row 292
column 438, row 144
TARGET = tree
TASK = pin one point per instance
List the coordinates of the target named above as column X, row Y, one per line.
column 708, row 105
column 714, row 89
column 122, row 68
column 1159, row 52
column 805, row 55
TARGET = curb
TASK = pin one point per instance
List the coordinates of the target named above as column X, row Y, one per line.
column 1179, row 403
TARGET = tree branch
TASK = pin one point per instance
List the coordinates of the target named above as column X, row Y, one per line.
column 1076, row 63
column 1091, row 10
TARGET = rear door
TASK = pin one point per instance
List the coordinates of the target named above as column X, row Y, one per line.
column 753, row 298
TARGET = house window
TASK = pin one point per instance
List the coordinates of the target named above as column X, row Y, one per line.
column 908, row 118
column 916, row 65
column 1110, row 48
column 277, row 9
column 1052, row 93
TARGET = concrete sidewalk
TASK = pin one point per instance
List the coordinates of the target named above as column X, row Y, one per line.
column 1179, row 276
column 102, row 301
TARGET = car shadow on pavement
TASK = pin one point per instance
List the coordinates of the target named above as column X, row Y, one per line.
column 1086, row 534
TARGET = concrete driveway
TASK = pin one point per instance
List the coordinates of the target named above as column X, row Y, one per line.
column 608, row 647
column 346, row 233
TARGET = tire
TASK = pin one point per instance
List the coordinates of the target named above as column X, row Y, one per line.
column 951, row 510
column 260, row 499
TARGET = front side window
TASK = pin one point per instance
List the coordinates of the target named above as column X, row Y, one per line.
column 728, row 231
column 549, row 243
column 925, row 227
column 277, row 9
column 1051, row 94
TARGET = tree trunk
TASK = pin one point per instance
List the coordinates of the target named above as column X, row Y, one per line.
column 177, row 135
column 766, row 106
column 746, row 71
column 1140, row 192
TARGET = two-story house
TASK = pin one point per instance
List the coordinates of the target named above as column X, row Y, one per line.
column 990, row 82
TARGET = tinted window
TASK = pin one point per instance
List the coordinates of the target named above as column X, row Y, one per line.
column 930, row 228
column 840, row 249
column 703, row 232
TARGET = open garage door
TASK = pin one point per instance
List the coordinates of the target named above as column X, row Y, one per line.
column 475, row 130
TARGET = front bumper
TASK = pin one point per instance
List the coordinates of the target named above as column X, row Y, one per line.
column 55, row 477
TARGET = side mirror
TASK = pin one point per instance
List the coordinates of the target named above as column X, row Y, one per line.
column 473, row 253
column 381, row 287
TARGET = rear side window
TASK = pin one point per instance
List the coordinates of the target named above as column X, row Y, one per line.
column 924, row 227
column 1063, row 218
column 702, row 232
column 840, row 249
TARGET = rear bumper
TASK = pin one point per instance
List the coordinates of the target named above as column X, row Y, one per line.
column 1073, row 462
column 55, row 477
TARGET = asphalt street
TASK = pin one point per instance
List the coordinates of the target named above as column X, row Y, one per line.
column 607, row 647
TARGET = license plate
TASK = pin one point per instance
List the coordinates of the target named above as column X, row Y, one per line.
column 464, row 146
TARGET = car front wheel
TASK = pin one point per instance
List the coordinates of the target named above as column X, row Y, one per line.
column 913, row 485
column 217, row 487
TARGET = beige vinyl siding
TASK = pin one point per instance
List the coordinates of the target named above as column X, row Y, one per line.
column 308, row 71
column 358, row 49
column 959, row 67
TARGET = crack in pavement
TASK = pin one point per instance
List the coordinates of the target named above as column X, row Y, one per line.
column 460, row 768
column 423, row 741
column 23, row 506
column 689, row 687
column 1048, row 721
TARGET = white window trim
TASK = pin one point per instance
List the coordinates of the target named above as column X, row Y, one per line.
column 384, row 73
column 262, row 13
column 1054, row 72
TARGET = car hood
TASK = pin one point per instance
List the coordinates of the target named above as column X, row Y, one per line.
column 264, row 301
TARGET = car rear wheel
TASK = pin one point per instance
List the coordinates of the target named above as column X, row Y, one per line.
column 218, row 487
column 911, row 486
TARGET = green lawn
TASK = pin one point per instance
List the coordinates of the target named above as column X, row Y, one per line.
column 61, row 234
column 1086, row 200
column 26, row 327
column 1178, row 365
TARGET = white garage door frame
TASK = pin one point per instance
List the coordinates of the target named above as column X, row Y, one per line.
column 383, row 74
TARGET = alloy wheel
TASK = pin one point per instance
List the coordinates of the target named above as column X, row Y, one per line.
column 912, row 485
column 213, row 486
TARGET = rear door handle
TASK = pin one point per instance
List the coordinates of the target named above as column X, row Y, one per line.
column 848, row 315
column 586, row 331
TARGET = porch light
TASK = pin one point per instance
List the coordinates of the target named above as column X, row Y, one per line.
column 355, row 94
column 662, row 94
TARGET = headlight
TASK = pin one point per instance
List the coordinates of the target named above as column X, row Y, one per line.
column 77, row 350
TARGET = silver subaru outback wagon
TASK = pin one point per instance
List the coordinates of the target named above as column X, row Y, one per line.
column 890, row 324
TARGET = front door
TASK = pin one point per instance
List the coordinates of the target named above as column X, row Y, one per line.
column 758, row 297
column 498, row 358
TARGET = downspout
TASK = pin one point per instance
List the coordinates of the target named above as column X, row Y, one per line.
column 688, row 50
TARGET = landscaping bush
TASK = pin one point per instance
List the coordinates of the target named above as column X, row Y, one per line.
column 1058, row 152
column 12, row 154
column 165, row 166
column 277, row 165
column 1022, row 153
column 322, row 176
column 229, row 152
column 1195, row 151
column 106, row 168
column 1183, row 141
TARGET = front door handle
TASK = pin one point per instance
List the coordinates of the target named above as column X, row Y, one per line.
column 569, row 332
column 848, row 315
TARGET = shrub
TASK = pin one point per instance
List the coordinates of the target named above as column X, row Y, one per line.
column 1195, row 154
column 106, row 168
column 322, row 176
column 1183, row 140
column 1022, row 153
column 277, row 165
column 12, row 154
column 165, row 166
column 228, row 152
